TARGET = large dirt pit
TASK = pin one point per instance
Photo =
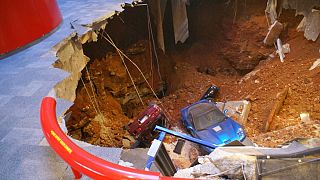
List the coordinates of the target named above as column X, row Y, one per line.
column 225, row 47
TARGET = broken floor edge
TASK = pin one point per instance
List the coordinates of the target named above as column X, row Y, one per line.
column 82, row 34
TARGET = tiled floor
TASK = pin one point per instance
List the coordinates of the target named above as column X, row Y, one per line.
column 25, row 78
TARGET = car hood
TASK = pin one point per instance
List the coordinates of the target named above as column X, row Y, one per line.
column 227, row 134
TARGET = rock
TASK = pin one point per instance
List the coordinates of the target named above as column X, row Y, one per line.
column 227, row 161
column 286, row 48
column 126, row 143
column 205, row 169
column 315, row 64
column 305, row 117
column 112, row 73
column 256, row 81
column 184, row 173
column 274, row 32
column 126, row 164
column 277, row 105
column 249, row 98
column 306, row 80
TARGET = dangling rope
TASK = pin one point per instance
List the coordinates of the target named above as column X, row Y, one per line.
column 150, row 48
column 85, row 87
column 94, row 97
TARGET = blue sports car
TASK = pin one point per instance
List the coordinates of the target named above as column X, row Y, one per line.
column 205, row 121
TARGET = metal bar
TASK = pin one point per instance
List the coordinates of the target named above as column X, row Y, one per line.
column 186, row 137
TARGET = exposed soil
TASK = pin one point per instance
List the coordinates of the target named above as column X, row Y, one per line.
column 222, row 50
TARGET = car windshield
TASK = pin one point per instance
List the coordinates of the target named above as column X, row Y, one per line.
column 204, row 115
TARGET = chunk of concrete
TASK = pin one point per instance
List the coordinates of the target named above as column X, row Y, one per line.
column 312, row 29
column 273, row 34
column 238, row 110
column 205, row 169
column 234, row 165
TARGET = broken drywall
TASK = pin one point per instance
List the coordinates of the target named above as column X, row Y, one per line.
column 71, row 59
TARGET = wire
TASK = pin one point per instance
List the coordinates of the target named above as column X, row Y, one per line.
column 150, row 47
column 85, row 87
column 94, row 97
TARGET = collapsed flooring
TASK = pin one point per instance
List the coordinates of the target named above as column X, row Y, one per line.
column 224, row 48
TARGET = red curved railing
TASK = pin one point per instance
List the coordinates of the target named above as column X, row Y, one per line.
column 80, row 160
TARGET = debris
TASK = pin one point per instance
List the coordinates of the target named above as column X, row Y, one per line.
column 221, row 163
column 205, row 169
column 312, row 29
column 189, row 153
column 249, row 75
column 286, row 48
column 305, row 117
column 302, row 25
column 126, row 164
column 315, row 64
column 281, row 96
column 238, row 110
column 280, row 51
column 273, row 34
column 179, row 146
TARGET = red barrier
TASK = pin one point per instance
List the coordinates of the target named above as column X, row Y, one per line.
column 23, row 21
column 79, row 159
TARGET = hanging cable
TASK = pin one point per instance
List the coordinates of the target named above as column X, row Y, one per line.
column 150, row 48
column 85, row 87
column 93, row 92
